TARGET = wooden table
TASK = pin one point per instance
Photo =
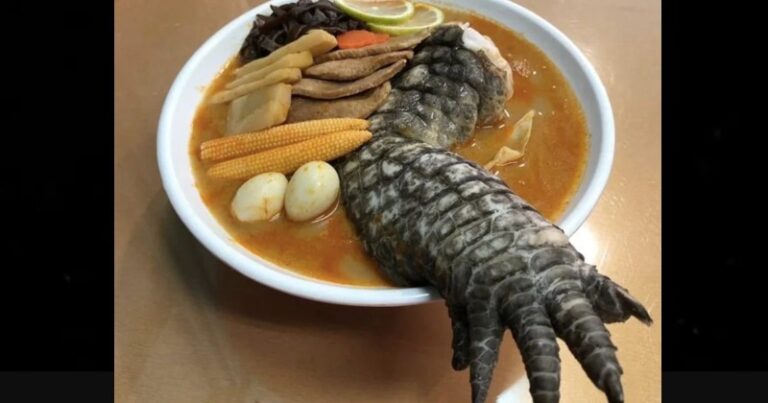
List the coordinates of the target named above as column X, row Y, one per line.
column 190, row 329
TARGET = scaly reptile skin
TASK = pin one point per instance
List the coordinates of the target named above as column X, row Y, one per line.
column 430, row 217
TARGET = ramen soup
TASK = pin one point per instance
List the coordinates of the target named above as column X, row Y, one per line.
column 328, row 249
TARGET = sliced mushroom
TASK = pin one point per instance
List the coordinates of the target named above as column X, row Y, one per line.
column 321, row 89
column 394, row 44
column 356, row 106
column 352, row 69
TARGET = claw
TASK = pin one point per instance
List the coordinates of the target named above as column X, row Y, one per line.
column 460, row 328
column 612, row 388
column 577, row 323
column 630, row 304
column 485, row 333
column 612, row 302
column 526, row 316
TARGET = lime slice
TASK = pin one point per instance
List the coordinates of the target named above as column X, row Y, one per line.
column 377, row 11
column 424, row 16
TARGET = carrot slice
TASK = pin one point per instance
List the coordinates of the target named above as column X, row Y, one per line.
column 360, row 38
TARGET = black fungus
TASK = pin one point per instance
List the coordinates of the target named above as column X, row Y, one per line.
column 290, row 21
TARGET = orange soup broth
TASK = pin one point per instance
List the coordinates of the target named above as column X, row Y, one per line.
column 328, row 249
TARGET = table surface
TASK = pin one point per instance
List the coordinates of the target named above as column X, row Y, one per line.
column 190, row 329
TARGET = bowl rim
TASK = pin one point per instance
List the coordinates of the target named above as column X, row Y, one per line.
column 306, row 287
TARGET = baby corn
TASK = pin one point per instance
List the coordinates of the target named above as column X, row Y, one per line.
column 288, row 158
column 236, row 146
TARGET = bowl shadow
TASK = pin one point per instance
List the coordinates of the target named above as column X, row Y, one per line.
column 300, row 346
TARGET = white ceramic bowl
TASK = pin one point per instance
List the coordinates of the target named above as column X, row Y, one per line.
column 186, row 94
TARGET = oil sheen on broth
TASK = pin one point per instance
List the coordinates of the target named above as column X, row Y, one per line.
column 328, row 249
